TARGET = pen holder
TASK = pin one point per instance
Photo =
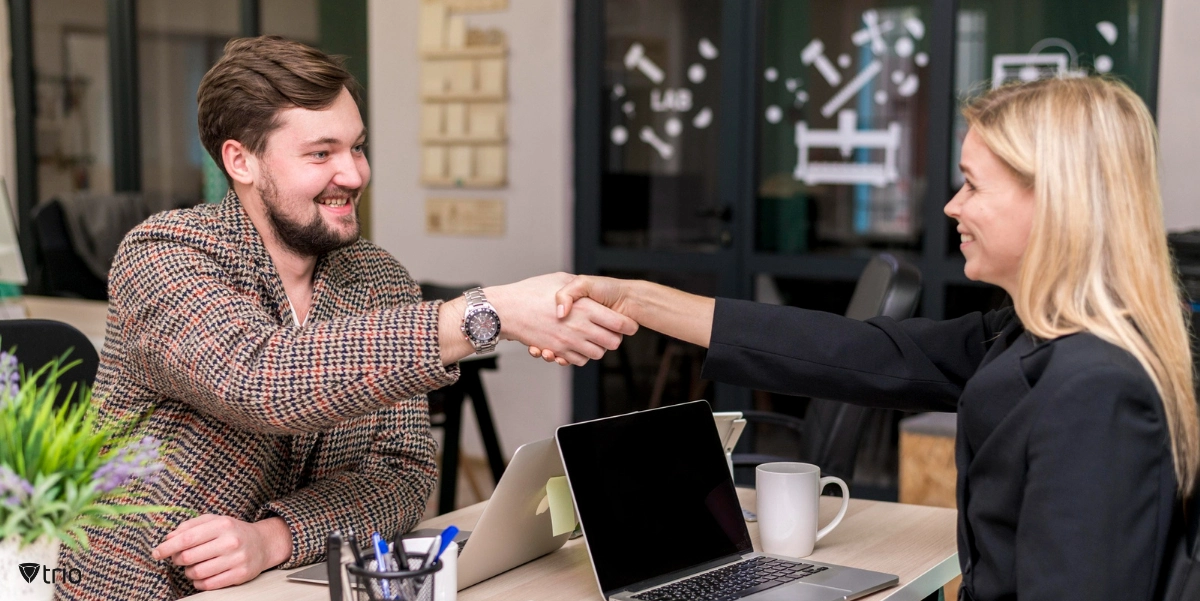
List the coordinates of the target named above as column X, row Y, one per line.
column 415, row 584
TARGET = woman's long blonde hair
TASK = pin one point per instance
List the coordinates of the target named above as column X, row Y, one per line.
column 1097, row 258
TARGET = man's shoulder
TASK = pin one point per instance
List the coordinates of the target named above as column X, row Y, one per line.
column 373, row 262
column 195, row 224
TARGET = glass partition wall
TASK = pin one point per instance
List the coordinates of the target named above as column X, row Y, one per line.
column 766, row 149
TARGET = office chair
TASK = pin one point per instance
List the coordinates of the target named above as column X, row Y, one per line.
column 448, row 404
column 63, row 272
column 831, row 432
column 38, row 341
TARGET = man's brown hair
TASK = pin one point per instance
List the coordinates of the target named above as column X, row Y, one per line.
column 241, row 96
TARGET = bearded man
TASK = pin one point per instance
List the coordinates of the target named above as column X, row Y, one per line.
column 286, row 359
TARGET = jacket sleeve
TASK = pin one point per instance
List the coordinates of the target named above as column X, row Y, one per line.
column 915, row 364
column 1092, row 511
column 190, row 335
column 386, row 493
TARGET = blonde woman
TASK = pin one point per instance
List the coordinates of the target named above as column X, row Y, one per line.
column 1077, row 420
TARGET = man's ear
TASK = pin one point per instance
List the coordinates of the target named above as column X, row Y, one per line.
column 240, row 163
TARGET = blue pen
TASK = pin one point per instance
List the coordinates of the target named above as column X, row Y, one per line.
column 447, row 537
column 381, row 564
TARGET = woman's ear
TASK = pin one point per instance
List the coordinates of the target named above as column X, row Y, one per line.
column 240, row 163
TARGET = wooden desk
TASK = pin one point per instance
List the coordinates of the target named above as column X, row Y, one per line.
column 917, row 543
column 88, row 316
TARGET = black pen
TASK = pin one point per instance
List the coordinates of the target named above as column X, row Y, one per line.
column 398, row 550
column 353, row 540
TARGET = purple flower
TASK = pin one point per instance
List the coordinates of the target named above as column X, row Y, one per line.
column 137, row 460
column 14, row 489
column 10, row 374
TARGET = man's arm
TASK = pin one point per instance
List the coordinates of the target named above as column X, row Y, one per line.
column 192, row 336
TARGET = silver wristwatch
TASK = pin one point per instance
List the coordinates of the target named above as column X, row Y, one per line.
column 481, row 324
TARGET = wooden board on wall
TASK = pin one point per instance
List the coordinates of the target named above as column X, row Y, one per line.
column 464, row 216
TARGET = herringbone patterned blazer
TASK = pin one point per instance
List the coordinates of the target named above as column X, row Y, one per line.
column 324, row 425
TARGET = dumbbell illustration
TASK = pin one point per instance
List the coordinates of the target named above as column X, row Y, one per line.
column 635, row 58
column 648, row 136
column 814, row 52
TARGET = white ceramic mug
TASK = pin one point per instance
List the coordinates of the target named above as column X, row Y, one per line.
column 788, row 497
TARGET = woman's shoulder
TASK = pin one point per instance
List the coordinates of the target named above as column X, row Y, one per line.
column 1085, row 364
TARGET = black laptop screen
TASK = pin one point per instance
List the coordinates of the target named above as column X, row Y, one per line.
column 653, row 492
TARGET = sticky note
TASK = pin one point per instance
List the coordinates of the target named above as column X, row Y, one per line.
column 562, row 509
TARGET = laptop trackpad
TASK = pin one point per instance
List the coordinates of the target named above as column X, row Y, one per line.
column 797, row 591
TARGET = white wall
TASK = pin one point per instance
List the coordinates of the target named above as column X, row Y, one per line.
column 529, row 398
column 1178, row 115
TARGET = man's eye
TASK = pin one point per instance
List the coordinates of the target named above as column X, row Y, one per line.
column 360, row 148
column 320, row 155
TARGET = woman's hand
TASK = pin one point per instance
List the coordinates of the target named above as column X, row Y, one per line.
column 609, row 292
column 529, row 315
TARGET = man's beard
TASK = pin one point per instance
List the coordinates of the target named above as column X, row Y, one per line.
column 311, row 239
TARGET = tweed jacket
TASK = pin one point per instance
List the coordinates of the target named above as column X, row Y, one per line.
column 325, row 425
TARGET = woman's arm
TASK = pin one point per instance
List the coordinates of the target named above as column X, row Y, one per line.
column 676, row 313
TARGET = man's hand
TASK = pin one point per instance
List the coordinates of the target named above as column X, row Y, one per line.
column 529, row 314
column 585, row 290
column 220, row 551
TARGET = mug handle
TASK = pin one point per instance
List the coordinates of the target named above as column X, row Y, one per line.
column 826, row 481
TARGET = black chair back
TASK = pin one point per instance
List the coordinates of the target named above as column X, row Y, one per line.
column 63, row 272
column 38, row 341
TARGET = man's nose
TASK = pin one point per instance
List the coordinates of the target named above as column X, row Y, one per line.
column 348, row 175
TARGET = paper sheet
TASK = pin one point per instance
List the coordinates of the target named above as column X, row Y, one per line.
column 558, row 501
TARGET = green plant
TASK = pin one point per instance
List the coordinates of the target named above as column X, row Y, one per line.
column 63, row 469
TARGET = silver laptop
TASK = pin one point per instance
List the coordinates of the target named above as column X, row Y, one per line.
column 662, row 520
column 510, row 532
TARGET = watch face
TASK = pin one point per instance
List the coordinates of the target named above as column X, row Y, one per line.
column 483, row 326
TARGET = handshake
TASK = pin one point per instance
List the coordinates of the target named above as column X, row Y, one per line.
column 569, row 320
column 552, row 315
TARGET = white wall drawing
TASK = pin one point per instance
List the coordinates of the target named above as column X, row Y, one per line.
column 1104, row 63
column 921, row 59
column 774, row 114
column 846, row 138
column 871, row 20
column 814, row 54
column 619, row 135
column 904, row 47
column 675, row 102
column 915, row 27
column 1026, row 67
column 1108, row 30
column 771, row 74
column 844, row 60
column 636, row 58
column 851, row 88
column 673, row 127
column 648, row 136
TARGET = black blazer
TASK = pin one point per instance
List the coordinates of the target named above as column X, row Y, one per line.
column 1066, row 484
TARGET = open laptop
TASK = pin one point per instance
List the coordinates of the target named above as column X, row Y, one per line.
column 510, row 532
column 662, row 520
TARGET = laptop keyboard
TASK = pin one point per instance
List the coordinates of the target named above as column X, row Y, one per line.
column 733, row 581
